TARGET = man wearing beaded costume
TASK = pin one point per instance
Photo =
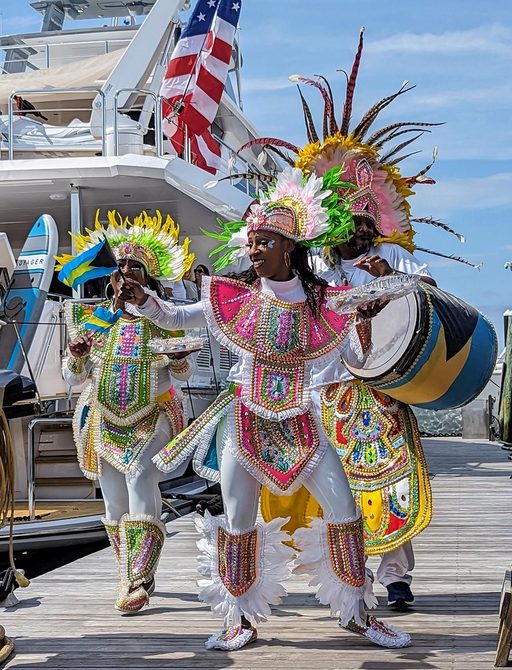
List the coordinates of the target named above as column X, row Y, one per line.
column 377, row 438
column 130, row 407
column 276, row 318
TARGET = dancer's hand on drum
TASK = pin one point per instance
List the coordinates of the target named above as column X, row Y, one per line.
column 375, row 265
column 371, row 309
column 131, row 291
column 80, row 346
column 179, row 355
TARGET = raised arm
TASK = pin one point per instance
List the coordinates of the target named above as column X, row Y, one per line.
column 163, row 314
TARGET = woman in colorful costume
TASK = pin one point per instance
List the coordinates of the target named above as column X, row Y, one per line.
column 376, row 437
column 130, row 407
column 275, row 317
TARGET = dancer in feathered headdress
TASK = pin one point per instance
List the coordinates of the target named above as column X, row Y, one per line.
column 149, row 240
column 275, row 317
column 305, row 209
column 130, row 407
column 364, row 425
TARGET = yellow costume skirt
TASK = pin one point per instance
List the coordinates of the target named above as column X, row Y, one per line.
column 378, row 442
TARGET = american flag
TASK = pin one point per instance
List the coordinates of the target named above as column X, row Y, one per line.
column 195, row 78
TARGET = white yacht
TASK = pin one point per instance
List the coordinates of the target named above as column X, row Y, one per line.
column 92, row 139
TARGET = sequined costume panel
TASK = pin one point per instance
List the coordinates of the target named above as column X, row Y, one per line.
column 117, row 413
column 237, row 560
column 276, row 452
column 279, row 340
column 279, row 454
column 346, row 551
column 378, row 442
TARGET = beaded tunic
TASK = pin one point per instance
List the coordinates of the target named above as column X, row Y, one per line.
column 270, row 427
column 117, row 412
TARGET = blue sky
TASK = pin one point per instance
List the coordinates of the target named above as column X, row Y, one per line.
column 459, row 55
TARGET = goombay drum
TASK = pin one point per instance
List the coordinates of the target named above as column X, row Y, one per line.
column 430, row 349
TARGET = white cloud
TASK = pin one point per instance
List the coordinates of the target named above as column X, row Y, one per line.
column 264, row 84
column 495, row 39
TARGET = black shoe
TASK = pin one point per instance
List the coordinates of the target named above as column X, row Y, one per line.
column 399, row 595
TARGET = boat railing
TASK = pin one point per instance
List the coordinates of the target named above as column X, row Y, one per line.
column 230, row 163
column 157, row 102
column 21, row 56
column 111, row 127
column 54, row 91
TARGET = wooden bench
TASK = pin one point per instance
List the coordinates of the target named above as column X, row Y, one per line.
column 505, row 628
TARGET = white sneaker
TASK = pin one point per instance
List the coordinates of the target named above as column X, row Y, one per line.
column 380, row 633
column 234, row 637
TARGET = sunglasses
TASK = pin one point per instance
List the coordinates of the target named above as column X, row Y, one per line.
column 134, row 267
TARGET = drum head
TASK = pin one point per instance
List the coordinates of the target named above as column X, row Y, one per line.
column 393, row 330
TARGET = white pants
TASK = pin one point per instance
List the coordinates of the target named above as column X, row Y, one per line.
column 395, row 565
column 241, row 491
column 137, row 492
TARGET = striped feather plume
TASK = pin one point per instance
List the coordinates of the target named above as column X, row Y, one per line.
column 329, row 110
column 420, row 177
column 399, row 159
column 450, row 257
column 328, row 119
column 285, row 157
column 273, row 141
column 396, row 149
column 351, row 85
column 362, row 127
column 394, row 130
column 250, row 176
column 439, row 224
column 311, row 133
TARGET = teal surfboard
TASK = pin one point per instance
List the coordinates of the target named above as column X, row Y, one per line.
column 30, row 283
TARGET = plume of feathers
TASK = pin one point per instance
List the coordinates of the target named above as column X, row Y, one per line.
column 458, row 259
column 439, row 224
column 351, row 85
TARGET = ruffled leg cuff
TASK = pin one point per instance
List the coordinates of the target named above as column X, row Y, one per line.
column 243, row 571
column 333, row 554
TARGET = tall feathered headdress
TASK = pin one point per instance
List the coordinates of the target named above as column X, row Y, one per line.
column 368, row 161
column 305, row 208
column 151, row 240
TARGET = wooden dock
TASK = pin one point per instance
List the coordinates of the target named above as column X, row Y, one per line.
column 66, row 618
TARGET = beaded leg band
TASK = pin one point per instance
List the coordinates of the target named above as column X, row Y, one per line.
column 141, row 542
column 333, row 554
column 243, row 570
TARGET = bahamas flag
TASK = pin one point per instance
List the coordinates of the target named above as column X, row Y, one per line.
column 98, row 261
column 102, row 319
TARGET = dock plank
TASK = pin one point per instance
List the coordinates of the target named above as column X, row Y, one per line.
column 66, row 618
